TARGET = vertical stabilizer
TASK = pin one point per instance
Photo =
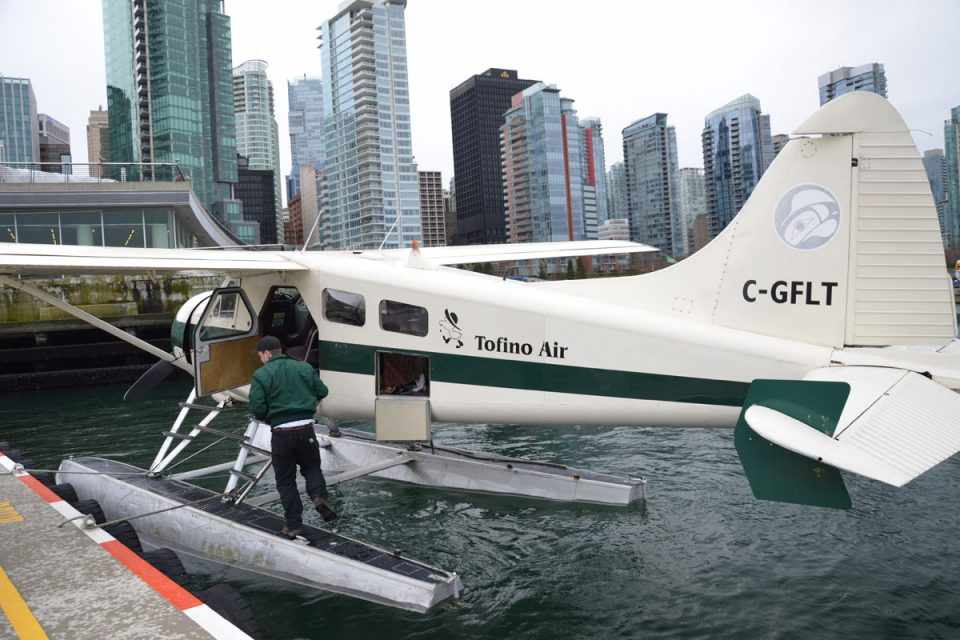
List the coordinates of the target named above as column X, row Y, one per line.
column 839, row 244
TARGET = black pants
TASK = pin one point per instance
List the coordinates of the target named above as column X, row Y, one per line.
column 291, row 448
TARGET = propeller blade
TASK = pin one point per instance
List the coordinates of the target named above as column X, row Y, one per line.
column 153, row 376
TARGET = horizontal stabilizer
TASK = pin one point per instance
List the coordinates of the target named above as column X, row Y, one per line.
column 912, row 425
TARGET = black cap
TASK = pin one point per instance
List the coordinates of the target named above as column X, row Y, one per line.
column 268, row 343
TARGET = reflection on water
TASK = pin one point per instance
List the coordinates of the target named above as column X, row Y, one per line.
column 704, row 559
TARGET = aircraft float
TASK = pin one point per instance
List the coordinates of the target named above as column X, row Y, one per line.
column 820, row 324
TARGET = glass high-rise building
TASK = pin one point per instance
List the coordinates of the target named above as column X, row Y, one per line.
column 951, row 153
column 98, row 142
column 257, row 134
column 371, row 190
column 935, row 165
column 595, row 174
column 18, row 120
column 737, row 149
column 651, row 168
column 693, row 203
column 617, row 191
column 549, row 162
column 477, row 106
column 867, row 77
column 305, row 120
column 170, row 96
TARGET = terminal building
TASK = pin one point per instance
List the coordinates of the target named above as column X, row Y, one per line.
column 77, row 208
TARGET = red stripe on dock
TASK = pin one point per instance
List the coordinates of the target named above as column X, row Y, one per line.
column 40, row 489
column 174, row 593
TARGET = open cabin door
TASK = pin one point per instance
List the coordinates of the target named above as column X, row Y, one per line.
column 225, row 341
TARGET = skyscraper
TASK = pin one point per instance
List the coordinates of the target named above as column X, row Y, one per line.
column 169, row 95
column 305, row 119
column 256, row 191
column 693, row 204
column 867, row 77
column 617, row 191
column 935, row 164
column 54, row 142
column 650, row 161
column 257, row 134
column 951, row 140
column 371, row 190
column 736, row 151
column 432, row 209
column 549, row 169
column 778, row 142
column 477, row 106
column 98, row 141
column 595, row 174
column 18, row 120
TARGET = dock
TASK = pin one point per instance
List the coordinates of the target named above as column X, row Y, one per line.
column 63, row 580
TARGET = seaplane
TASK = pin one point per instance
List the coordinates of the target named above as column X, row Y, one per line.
column 819, row 324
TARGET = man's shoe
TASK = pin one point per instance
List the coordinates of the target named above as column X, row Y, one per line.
column 323, row 507
column 291, row 532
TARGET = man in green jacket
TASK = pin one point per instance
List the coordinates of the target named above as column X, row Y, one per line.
column 284, row 393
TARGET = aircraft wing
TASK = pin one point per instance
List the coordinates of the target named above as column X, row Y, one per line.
column 472, row 254
column 30, row 259
column 883, row 423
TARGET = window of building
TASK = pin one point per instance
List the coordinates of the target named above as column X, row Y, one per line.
column 38, row 228
column 344, row 307
column 8, row 228
column 403, row 318
column 82, row 228
column 123, row 228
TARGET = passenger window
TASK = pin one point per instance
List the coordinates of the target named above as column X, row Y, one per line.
column 403, row 318
column 344, row 307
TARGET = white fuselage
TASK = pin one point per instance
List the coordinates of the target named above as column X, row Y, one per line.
column 521, row 354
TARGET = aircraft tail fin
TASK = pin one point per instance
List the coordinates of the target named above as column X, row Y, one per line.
column 838, row 244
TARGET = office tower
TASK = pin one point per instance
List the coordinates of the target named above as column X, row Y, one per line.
column 778, row 142
column 450, row 212
column 54, row 143
column 305, row 120
column 951, row 153
column 546, row 173
column 595, row 175
column 693, row 203
column 18, row 120
column 170, row 98
column 371, row 191
column 935, row 164
column 477, row 106
column 257, row 134
column 98, row 141
column 293, row 228
column 652, row 176
column 617, row 191
column 868, row 77
column 256, row 191
column 736, row 151
column 432, row 209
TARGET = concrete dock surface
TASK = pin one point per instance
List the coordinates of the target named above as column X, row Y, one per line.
column 76, row 584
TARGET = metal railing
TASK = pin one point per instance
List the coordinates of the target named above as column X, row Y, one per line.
column 87, row 172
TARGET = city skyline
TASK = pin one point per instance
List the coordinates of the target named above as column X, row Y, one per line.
column 913, row 45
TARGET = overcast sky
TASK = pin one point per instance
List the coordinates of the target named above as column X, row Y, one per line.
column 620, row 60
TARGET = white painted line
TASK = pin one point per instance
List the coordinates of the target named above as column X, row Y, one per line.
column 214, row 624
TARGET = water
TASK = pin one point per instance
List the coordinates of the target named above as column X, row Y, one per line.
column 703, row 559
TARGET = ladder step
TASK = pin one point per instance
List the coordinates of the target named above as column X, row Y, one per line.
column 173, row 434
column 250, row 447
column 224, row 434
column 243, row 474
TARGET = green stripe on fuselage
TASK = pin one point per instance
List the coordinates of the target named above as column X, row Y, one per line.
column 540, row 376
